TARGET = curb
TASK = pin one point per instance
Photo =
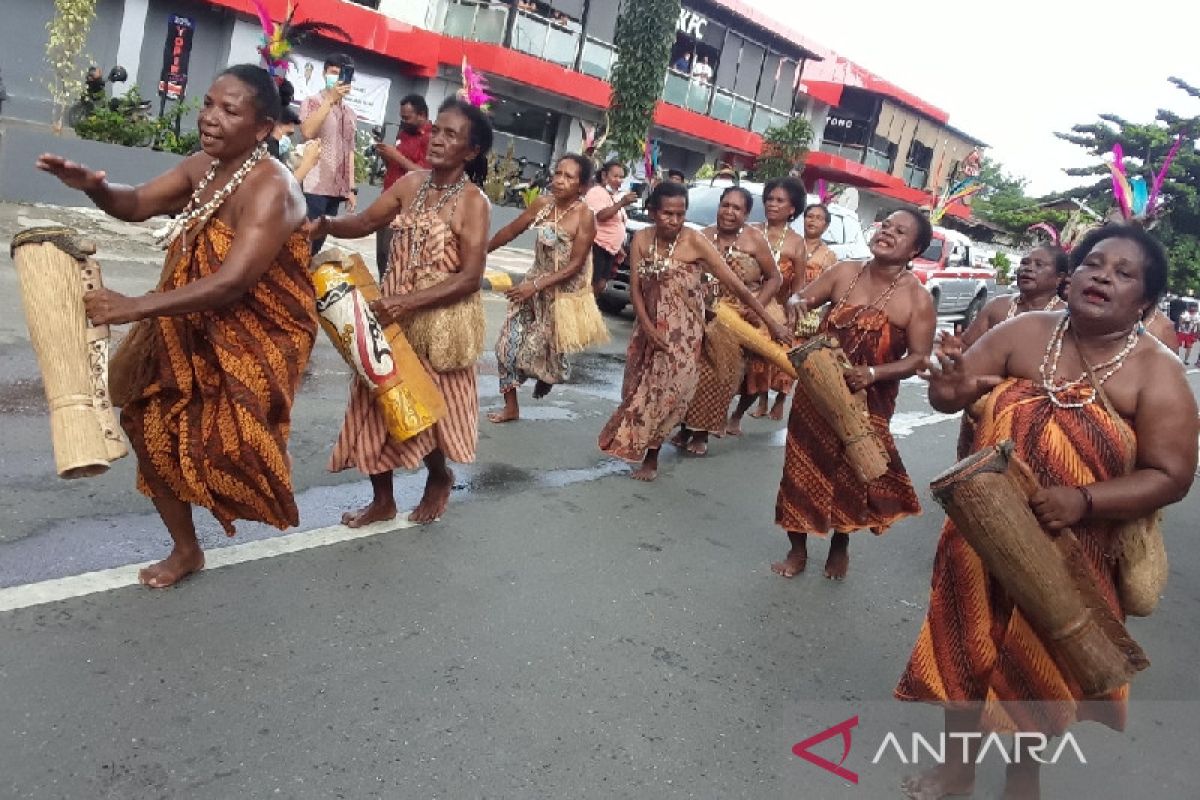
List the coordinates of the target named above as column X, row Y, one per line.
column 496, row 280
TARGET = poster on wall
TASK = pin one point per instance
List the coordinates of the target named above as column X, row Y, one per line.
column 177, row 52
column 368, row 93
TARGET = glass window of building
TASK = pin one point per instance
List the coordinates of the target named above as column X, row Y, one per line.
column 524, row 120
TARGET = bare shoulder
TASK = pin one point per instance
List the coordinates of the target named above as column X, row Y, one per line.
column 755, row 235
column 271, row 188
column 474, row 207
column 918, row 295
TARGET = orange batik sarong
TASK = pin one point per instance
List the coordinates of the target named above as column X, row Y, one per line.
column 820, row 491
column 975, row 645
column 209, row 412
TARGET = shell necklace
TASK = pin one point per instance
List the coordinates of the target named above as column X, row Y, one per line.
column 1054, row 353
column 655, row 267
column 194, row 212
column 1012, row 306
column 417, row 240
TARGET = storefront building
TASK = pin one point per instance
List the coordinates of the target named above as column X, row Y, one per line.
column 733, row 74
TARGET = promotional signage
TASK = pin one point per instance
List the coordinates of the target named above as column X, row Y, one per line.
column 172, row 81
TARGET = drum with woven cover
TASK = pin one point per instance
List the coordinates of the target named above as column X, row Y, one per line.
column 380, row 356
column 55, row 268
column 987, row 497
column 820, row 367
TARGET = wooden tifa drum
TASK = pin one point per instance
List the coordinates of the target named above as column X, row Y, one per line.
column 987, row 496
column 380, row 356
column 55, row 269
column 820, row 367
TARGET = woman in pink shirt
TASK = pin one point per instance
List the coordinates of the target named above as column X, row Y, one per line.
column 609, row 208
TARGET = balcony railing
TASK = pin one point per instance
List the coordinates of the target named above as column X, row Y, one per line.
column 552, row 41
column 477, row 21
column 598, row 59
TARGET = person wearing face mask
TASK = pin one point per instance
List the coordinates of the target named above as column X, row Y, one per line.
column 326, row 118
column 410, row 154
column 299, row 159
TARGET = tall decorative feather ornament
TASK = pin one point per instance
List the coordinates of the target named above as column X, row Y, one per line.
column 279, row 38
column 1156, row 187
column 474, row 89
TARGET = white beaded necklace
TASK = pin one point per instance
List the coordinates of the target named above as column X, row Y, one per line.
column 193, row 212
column 1054, row 352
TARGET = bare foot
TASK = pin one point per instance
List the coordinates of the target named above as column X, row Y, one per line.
column 541, row 389
column 793, row 565
column 698, row 447
column 648, row 471
column 375, row 511
column 838, row 563
column 777, row 409
column 680, row 439
column 945, row 780
column 644, row 474
column 734, row 428
column 760, row 410
column 436, row 498
column 172, row 569
column 507, row 415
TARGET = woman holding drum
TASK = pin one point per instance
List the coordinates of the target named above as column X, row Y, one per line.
column 207, row 377
column 1104, row 417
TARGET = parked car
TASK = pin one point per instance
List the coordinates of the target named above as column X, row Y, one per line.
column 954, row 272
column 844, row 236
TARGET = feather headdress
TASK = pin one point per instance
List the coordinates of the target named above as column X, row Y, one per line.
column 279, row 38
column 823, row 192
column 1051, row 232
column 474, row 89
column 1136, row 201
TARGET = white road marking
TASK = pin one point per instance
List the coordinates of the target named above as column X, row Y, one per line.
column 52, row 591
column 905, row 422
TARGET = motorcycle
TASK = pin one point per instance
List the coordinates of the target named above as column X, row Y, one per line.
column 95, row 97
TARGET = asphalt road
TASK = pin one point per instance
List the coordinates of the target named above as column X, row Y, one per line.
column 563, row 632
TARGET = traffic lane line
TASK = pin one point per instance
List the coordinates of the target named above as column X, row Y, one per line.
column 57, row 589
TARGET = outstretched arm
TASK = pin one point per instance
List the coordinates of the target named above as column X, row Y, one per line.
column 519, row 225
column 272, row 211
column 355, row 226
column 166, row 194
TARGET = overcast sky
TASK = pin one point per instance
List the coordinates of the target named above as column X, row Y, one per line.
column 1013, row 72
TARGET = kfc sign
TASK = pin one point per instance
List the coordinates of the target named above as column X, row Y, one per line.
column 691, row 24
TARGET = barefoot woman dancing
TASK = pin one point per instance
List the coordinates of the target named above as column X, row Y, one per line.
column 884, row 321
column 662, row 365
column 801, row 261
column 431, row 289
column 1105, row 418
column 530, row 344
column 722, row 362
column 206, row 405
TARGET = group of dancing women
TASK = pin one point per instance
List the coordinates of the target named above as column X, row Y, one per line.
column 1101, row 412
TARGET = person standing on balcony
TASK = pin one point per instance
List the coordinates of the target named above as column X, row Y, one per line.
column 410, row 154
column 326, row 117
column 609, row 206
column 703, row 71
column 684, row 64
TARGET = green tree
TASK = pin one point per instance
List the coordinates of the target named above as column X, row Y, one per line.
column 1146, row 145
column 784, row 150
column 1004, row 202
column 645, row 33
column 68, row 32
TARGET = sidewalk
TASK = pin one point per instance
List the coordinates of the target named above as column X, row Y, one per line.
column 129, row 240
